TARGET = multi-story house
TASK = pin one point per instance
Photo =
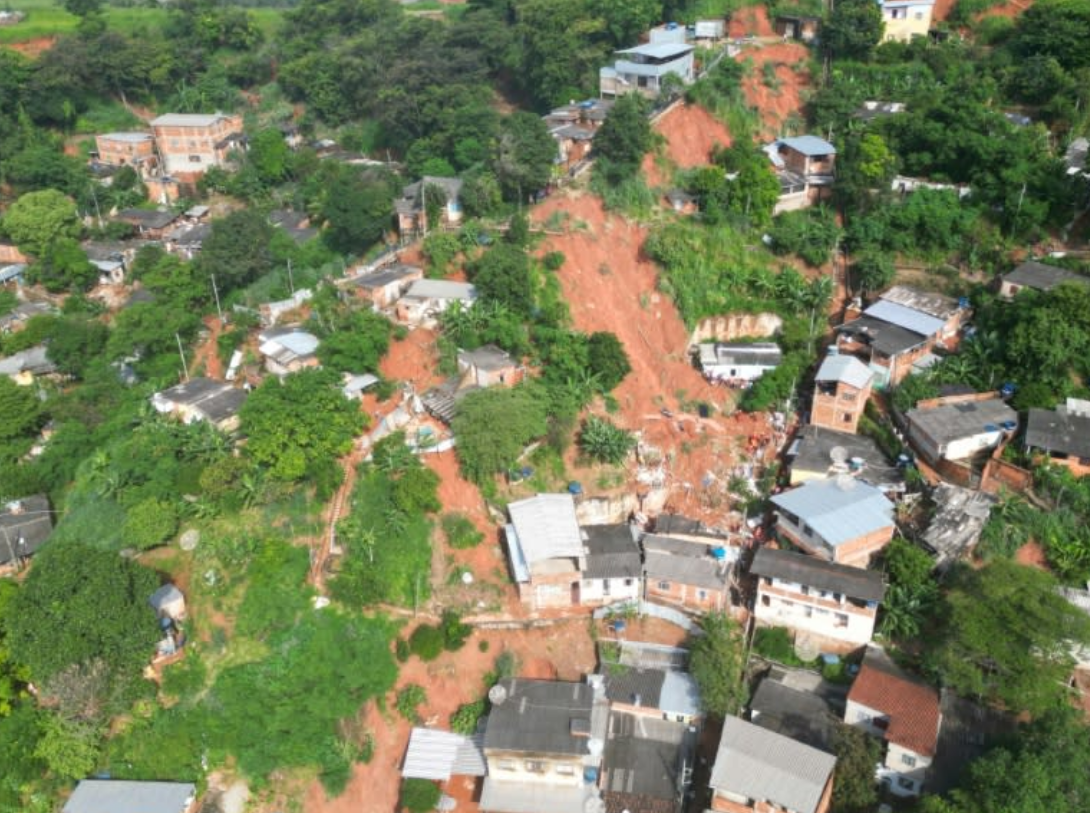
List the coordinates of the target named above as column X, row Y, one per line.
column 760, row 771
column 904, row 712
column 190, row 143
column 642, row 69
column 689, row 565
column 543, row 743
column 136, row 150
column 841, row 389
column 837, row 603
column 841, row 520
column 806, row 168
column 905, row 19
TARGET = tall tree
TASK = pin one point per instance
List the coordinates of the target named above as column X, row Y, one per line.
column 357, row 212
column 37, row 219
column 524, row 155
column 1007, row 635
column 494, row 426
column 855, row 790
column 716, row 662
column 237, row 251
column 623, row 139
column 853, row 29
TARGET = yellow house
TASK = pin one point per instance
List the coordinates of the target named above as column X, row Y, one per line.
column 905, row 19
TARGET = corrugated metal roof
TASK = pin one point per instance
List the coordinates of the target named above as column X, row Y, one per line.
column 117, row 796
column 519, row 567
column 838, row 511
column 761, row 764
column 1059, row 431
column 798, row 568
column 187, row 119
column 938, row 305
column 690, row 570
column 437, row 755
column 902, row 316
column 546, row 527
column 680, row 694
column 441, row 289
column 659, row 50
column 537, row 716
column 950, row 422
column 848, row 369
column 809, row 145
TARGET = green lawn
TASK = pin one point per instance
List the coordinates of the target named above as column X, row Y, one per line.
column 45, row 18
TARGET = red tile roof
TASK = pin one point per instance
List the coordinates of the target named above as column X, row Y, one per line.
column 912, row 707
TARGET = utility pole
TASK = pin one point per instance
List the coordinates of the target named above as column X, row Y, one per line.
column 181, row 352
column 291, row 282
column 216, row 293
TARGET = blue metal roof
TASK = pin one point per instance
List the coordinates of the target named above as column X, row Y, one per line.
column 838, row 511
column 809, row 145
column 908, row 318
column 519, row 566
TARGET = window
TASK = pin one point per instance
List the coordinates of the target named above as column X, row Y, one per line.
column 506, row 764
column 807, row 530
column 907, row 784
column 805, row 590
column 664, row 585
column 847, row 417
column 605, row 587
column 910, row 761
column 536, row 766
column 564, row 768
column 194, row 159
column 628, row 582
column 919, row 15
column 766, row 601
column 701, row 595
column 808, row 612
column 840, row 620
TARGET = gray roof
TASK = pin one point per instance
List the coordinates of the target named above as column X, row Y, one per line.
column 883, row 336
column 951, row 422
column 192, row 391
column 23, row 312
column 146, row 218
column 612, row 552
column 802, row 716
column 761, row 764
column 758, row 353
column 165, row 595
column 25, row 525
column 906, row 317
column 486, row 357
column 216, row 400
column 546, row 527
column 117, row 796
column 809, row 145
column 812, row 452
column 701, row 571
column 412, row 195
column 798, row 568
column 659, row 50
column 929, row 302
column 960, row 516
column 383, row 277
column 187, row 119
column 1075, row 155
column 32, row 360
column 441, row 289
column 634, row 686
column 223, row 404
column 643, row 757
column 967, row 731
column 1059, row 430
column 537, row 717
column 847, row 369
column 132, row 138
column 666, row 524
column 1041, row 277
column 437, row 755
column 838, row 511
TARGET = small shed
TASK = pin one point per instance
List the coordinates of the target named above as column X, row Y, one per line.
column 168, row 602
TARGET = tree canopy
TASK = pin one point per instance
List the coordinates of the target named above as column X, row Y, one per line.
column 494, row 426
column 716, row 662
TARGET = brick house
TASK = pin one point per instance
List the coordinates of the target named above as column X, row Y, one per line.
column 1063, row 434
column 489, row 366
column 382, row 288
column 841, row 389
column 412, row 211
column 896, row 334
column 136, row 150
column 190, row 143
column 842, row 520
column 887, row 703
column 288, row 350
column 760, row 771
column 836, row 603
column 689, row 565
column 819, row 453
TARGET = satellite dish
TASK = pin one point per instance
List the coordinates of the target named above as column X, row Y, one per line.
column 595, row 746
column 839, row 455
column 467, row 578
column 497, row 695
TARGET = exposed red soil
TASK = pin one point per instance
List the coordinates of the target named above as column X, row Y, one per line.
column 1032, row 554
column 792, row 74
column 33, row 47
column 750, row 21
column 609, row 285
column 692, row 134
column 208, row 353
column 414, row 359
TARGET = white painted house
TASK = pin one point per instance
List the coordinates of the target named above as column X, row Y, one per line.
column 738, row 362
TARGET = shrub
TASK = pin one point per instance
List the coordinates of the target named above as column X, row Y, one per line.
column 426, row 642
column 482, row 645
column 419, row 795
column 507, row 664
column 466, row 718
column 602, row 440
column 553, row 260
column 401, row 650
column 460, row 532
column 775, row 644
column 454, row 631
column 150, row 523
column 408, row 699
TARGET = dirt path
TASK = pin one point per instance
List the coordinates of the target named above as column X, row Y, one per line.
column 208, row 353
column 332, row 514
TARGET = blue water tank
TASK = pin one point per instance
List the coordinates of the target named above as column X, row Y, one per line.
column 963, row 302
column 574, row 488
column 719, row 554
column 590, row 776
column 1007, row 390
